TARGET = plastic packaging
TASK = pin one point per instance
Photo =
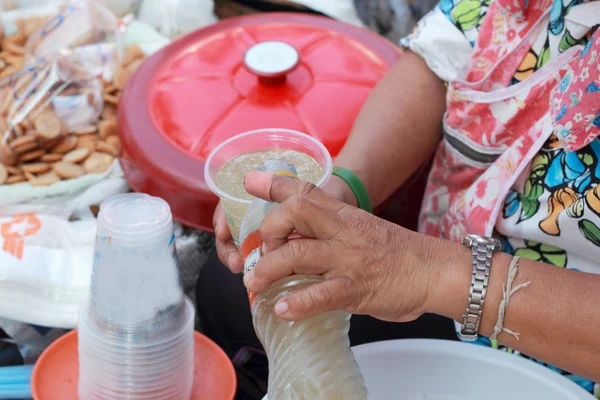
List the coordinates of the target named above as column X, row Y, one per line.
column 46, row 254
column 136, row 332
column 51, row 88
column 63, row 100
column 79, row 23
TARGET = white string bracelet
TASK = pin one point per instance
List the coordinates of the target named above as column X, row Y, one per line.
column 508, row 291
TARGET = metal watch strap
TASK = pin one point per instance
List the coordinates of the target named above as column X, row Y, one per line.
column 482, row 250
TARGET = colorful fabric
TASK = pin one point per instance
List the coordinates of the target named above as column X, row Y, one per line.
column 521, row 154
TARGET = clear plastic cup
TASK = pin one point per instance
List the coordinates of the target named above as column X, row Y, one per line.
column 136, row 285
column 136, row 333
column 252, row 141
column 157, row 371
column 123, row 343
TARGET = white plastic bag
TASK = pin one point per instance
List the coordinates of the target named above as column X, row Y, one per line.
column 174, row 18
column 342, row 10
column 46, row 258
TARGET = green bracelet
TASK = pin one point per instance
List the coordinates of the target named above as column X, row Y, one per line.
column 359, row 190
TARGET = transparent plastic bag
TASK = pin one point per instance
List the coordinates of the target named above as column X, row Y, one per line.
column 26, row 16
column 81, row 23
column 41, row 30
column 51, row 104
column 40, row 105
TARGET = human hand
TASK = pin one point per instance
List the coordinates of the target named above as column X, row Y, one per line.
column 226, row 248
column 370, row 266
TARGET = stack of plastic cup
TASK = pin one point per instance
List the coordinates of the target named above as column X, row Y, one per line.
column 136, row 332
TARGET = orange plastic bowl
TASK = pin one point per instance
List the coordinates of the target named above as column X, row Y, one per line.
column 56, row 373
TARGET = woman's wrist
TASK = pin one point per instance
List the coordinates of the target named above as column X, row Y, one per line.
column 340, row 190
column 453, row 262
column 449, row 264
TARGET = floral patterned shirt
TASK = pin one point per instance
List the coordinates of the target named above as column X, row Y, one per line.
column 521, row 154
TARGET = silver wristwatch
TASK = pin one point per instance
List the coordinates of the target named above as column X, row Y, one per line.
column 483, row 248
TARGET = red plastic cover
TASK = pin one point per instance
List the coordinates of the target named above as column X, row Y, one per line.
column 189, row 97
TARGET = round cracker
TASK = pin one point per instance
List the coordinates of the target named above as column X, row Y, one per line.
column 98, row 163
column 85, row 130
column 23, row 140
column 65, row 145
column 32, row 155
column 27, row 147
column 77, row 155
column 104, row 147
column 52, row 157
column 3, row 174
column 110, row 99
column 108, row 128
column 36, row 168
column 15, row 179
column 13, row 170
column 48, row 125
column 45, row 179
column 115, row 142
column 89, row 144
column 7, row 157
column 67, row 170
column 109, row 111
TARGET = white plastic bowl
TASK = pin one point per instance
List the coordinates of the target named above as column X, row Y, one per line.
column 421, row 369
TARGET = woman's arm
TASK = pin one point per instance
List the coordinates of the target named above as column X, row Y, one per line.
column 396, row 131
column 556, row 314
column 374, row 267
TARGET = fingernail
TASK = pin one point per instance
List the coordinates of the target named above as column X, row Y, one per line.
column 282, row 308
column 216, row 229
column 231, row 259
column 263, row 249
column 259, row 183
column 248, row 276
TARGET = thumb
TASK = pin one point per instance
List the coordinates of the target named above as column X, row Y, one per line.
column 275, row 188
column 316, row 299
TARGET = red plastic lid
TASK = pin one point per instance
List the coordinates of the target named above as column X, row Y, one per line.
column 56, row 373
column 294, row 71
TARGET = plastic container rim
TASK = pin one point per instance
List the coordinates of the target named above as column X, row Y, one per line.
column 327, row 168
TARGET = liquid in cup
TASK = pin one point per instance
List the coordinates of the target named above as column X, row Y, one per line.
column 136, row 330
column 227, row 165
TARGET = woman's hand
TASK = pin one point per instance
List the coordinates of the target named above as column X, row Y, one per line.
column 226, row 249
column 370, row 266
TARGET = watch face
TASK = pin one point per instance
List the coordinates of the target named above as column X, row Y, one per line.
column 471, row 239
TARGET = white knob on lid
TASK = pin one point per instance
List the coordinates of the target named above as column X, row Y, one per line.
column 271, row 61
